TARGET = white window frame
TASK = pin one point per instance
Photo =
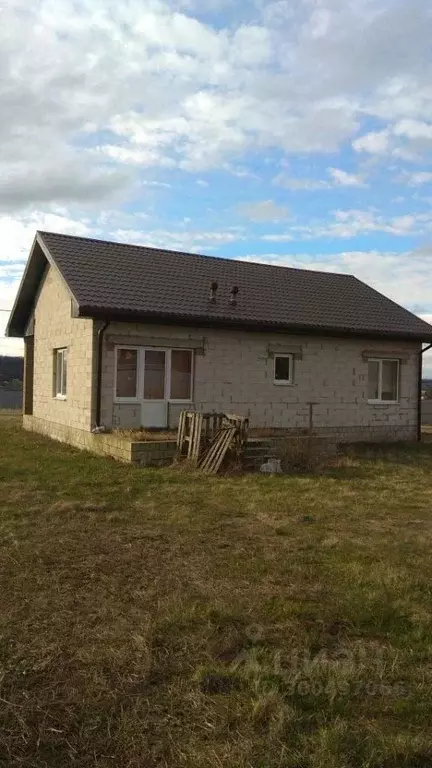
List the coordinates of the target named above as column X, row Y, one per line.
column 382, row 360
column 168, row 371
column 118, row 399
column 284, row 382
column 140, row 374
column 60, row 353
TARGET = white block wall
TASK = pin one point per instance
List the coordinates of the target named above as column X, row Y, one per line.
column 236, row 374
column 55, row 328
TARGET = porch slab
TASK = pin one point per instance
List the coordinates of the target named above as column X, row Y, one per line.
column 151, row 453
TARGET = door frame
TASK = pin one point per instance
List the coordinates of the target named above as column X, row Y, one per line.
column 139, row 398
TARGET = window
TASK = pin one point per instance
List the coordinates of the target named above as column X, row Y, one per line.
column 126, row 379
column 181, row 374
column 283, row 369
column 383, row 381
column 153, row 374
column 60, row 373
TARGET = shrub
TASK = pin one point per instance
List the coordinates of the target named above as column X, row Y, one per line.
column 301, row 454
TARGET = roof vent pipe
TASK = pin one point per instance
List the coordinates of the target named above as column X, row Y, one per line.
column 213, row 289
column 233, row 295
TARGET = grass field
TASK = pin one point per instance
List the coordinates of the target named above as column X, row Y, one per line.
column 159, row 618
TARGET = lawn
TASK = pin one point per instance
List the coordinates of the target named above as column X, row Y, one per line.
column 160, row 618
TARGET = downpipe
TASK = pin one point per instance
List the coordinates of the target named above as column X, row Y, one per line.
column 99, row 427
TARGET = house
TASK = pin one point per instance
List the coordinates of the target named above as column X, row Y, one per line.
column 127, row 336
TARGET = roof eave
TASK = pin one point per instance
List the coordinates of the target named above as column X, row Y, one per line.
column 15, row 329
column 121, row 315
column 16, row 326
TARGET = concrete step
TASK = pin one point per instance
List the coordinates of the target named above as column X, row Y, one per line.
column 257, row 452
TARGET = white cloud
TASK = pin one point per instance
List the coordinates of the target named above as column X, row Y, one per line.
column 298, row 183
column 413, row 129
column 352, row 223
column 168, row 89
column 406, row 139
column 264, row 211
column 339, row 178
column 16, row 234
column 416, row 178
column 343, row 179
column 103, row 91
column 192, row 240
column 278, row 238
column 375, row 142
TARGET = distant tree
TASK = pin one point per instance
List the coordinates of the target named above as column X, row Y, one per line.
column 11, row 368
column 428, row 394
column 14, row 385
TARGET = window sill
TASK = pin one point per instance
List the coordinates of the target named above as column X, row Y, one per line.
column 134, row 401
column 283, row 383
column 60, row 397
column 383, row 402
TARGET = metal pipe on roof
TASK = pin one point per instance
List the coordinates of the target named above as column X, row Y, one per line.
column 233, row 295
column 213, row 290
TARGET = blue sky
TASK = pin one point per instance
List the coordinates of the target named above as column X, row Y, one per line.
column 294, row 132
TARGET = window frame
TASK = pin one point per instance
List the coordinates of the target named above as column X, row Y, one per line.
column 118, row 398
column 139, row 398
column 284, row 382
column 169, row 372
column 62, row 353
column 380, row 361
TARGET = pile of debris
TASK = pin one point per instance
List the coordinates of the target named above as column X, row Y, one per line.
column 207, row 439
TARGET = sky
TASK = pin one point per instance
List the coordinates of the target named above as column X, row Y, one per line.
column 294, row 132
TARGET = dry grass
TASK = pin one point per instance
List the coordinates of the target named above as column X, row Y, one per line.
column 147, row 435
column 153, row 618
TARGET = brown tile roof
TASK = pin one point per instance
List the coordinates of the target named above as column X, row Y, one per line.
column 111, row 280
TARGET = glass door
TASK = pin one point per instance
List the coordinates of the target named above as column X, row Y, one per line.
column 154, row 409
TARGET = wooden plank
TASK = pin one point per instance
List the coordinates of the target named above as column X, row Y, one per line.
column 180, row 433
column 194, row 437
column 197, row 441
column 226, row 442
column 192, row 440
column 190, row 432
column 208, row 454
column 218, row 450
column 210, row 450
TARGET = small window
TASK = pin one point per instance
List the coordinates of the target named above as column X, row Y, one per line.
column 181, row 374
column 283, row 369
column 60, row 373
column 383, row 381
column 126, row 379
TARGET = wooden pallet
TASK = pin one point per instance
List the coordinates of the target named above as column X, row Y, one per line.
column 215, row 454
column 189, row 435
column 205, row 438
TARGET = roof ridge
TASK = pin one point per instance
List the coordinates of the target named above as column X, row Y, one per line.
column 200, row 255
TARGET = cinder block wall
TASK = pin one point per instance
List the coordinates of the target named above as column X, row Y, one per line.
column 55, row 328
column 427, row 412
column 236, row 374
